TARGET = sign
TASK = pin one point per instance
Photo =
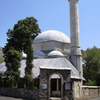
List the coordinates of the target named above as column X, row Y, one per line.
column 43, row 86
column 67, row 86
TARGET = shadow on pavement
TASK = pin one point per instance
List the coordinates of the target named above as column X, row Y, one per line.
column 3, row 97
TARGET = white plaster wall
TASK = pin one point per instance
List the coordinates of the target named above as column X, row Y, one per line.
column 52, row 45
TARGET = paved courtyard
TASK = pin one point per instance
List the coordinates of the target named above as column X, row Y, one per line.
column 10, row 98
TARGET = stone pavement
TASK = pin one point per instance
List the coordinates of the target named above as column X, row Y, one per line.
column 10, row 98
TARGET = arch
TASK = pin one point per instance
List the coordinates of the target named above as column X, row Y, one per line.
column 59, row 87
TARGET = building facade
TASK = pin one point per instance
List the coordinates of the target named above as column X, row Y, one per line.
column 58, row 61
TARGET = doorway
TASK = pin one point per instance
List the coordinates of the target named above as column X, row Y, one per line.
column 55, row 86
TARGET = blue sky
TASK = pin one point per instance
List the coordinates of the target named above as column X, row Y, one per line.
column 53, row 14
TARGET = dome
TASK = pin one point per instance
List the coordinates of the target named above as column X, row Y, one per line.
column 52, row 35
column 24, row 55
column 55, row 53
column 39, row 53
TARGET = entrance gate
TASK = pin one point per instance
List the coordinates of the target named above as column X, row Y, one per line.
column 55, row 87
column 52, row 82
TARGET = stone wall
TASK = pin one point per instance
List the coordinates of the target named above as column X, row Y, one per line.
column 20, row 93
column 68, row 95
column 89, row 92
column 45, row 81
column 77, row 84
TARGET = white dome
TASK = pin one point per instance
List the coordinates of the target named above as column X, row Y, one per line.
column 55, row 53
column 52, row 35
column 39, row 53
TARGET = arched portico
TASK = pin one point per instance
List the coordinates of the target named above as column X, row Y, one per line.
column 55, row 85
column 51, row 85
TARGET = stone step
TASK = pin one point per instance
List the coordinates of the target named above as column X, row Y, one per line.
column 55, row 98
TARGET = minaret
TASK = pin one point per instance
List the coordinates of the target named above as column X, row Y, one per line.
column 75, row 52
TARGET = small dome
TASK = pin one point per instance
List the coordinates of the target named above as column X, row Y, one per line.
column 39, row 53
column 52, row 35
column 24, row 55
column 55, row 53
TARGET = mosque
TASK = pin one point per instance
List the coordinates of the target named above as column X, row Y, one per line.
column 57, row 61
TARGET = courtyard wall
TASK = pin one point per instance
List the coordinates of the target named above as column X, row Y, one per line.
column 20, row 93
column 89, row 92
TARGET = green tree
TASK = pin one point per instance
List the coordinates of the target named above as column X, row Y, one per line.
column 13, row 62
column 91, row 64
column 29, row 52
column 21, row 37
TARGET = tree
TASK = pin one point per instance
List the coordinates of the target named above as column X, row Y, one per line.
column 91, row 64
column 29, row 51
column 21, row 37
column 13, row 62
column 21, row 33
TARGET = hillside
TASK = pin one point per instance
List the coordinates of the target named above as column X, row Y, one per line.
column 1, row 55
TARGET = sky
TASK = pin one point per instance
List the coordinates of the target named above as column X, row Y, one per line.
column 53, row 14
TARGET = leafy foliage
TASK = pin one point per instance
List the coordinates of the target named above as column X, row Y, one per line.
column 12, row 59
column 20, row 39
column 31, row 83
column 29, row 52
column 91, row 64
column 19, row 36
column 90, row 83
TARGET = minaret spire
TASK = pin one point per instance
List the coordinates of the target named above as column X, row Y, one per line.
column 75, row 52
